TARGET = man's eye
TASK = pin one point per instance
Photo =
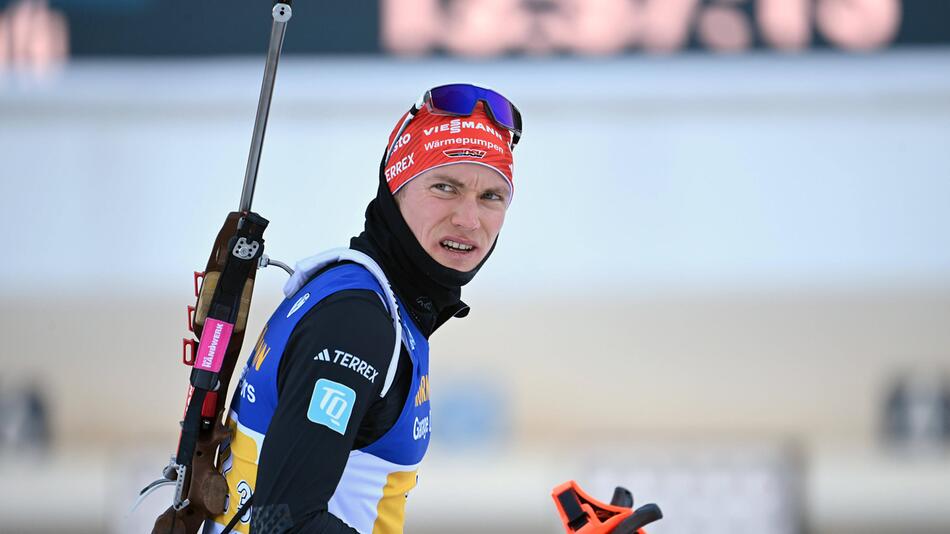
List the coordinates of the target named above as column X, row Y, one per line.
column 492, row 196
column 446, row 188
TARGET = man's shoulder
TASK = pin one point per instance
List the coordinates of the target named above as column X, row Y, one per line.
column 350, row 287
column 354, row 304
column 337, row 270
column 348, row 327
column 354, row 300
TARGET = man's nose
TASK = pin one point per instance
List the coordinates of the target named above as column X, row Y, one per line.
column 466, row 214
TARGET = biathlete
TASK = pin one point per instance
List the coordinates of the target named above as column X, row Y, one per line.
column 330, row 419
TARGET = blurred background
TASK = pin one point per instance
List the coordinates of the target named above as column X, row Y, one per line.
column 724, row 281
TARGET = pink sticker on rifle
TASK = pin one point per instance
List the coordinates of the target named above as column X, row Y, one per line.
column 214, row 342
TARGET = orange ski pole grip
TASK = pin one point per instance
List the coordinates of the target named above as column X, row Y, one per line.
column 582, row 514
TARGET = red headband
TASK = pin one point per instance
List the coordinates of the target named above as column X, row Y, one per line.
column 432, row 140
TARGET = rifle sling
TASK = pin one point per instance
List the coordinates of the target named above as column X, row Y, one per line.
column 237, row 517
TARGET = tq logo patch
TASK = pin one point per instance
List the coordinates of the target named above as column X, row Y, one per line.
column 331, row 405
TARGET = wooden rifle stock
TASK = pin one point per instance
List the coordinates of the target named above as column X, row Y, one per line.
column 205, row 487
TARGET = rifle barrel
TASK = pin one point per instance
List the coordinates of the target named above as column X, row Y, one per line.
column 281, row 14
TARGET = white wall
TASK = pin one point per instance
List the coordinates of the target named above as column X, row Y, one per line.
column 644, row 174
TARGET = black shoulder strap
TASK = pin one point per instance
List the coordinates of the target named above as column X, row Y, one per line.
column 238, row 515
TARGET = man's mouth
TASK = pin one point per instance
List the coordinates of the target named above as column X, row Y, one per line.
column 455, row 246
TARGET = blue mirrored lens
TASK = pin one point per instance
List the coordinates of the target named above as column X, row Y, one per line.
column 455, row 99
column 501, row 109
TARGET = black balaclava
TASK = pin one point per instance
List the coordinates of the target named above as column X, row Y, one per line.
column 431, row 292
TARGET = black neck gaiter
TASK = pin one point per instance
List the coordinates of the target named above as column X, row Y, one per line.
column 431, row 292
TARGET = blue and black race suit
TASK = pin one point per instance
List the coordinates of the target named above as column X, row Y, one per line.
column 315, row 440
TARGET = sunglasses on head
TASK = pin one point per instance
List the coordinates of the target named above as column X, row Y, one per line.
column 459, row 100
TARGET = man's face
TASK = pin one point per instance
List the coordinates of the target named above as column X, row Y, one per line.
column 455, row 212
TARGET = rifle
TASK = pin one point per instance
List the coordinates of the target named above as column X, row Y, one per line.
column 218, row 321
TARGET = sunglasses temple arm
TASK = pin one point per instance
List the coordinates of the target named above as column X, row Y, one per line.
column 402, row 128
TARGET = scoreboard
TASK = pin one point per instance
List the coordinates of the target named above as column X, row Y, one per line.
column 494, row 28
